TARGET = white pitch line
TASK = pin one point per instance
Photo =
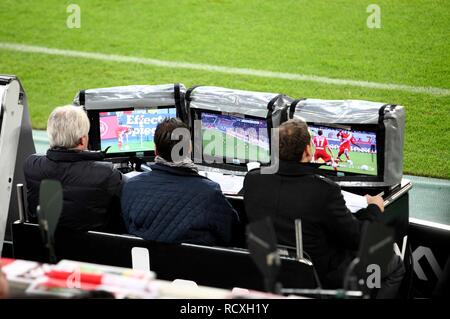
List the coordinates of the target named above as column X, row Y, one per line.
column 223, row 69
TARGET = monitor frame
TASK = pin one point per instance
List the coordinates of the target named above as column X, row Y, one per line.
column 226, row 162
column 95, row 139
column 352, row 176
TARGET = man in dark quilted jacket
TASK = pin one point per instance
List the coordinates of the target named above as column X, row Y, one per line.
column 173, row 203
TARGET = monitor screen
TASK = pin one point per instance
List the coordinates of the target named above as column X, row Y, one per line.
column 235, row 138
column 131, row 130
column 345, row 150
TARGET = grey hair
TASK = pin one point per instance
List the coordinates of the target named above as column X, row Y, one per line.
column 66, row 126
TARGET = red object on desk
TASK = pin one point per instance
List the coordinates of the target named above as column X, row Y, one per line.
column 56, row 283
column 6, row 261
column 75, row 279
column 87, row 278
column 66, row 279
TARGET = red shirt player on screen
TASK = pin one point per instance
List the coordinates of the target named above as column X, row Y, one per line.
column 120, row 131
column 321, row 145
column 344, row 146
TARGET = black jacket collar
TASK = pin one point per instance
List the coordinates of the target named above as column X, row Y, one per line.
column 65, row 155
column 297, row 168
column 183, row 171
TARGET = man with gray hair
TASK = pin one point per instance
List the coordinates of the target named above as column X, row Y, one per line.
column 91, row 188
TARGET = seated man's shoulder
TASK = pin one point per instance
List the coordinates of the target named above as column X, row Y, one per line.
column 323, row 181
column 100, row 170
column 102, row 165
column 256, row 174
column 35, row 157
column 253, row 172
column 34, row 163
column 200, row 184
column 139, row 178
column 206, row 183
column 97, row 167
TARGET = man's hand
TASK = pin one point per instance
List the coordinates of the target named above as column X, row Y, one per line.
column 377, row 200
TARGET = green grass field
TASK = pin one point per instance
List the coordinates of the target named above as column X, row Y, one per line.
column 130, row 147
column 323, row 38
column 232, row 147
column 358, row 160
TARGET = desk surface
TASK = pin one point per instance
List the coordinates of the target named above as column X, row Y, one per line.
column 231, row 183
column 22, row 274
column 389, row 196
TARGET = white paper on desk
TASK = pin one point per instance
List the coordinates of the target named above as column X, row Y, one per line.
column 229, row 184
column 354, row 202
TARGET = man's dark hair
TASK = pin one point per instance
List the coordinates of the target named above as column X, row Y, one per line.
column 163, row 137
column 294, row 137
column 320, row 132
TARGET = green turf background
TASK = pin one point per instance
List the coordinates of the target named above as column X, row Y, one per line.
column 327, row 38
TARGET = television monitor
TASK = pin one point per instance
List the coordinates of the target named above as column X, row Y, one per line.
column 127, row 131
column 348, row 152
column 231, row 138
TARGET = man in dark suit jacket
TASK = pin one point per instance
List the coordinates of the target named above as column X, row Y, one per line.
column 331, row 233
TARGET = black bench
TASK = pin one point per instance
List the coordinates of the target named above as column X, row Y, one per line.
column 209, row 266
